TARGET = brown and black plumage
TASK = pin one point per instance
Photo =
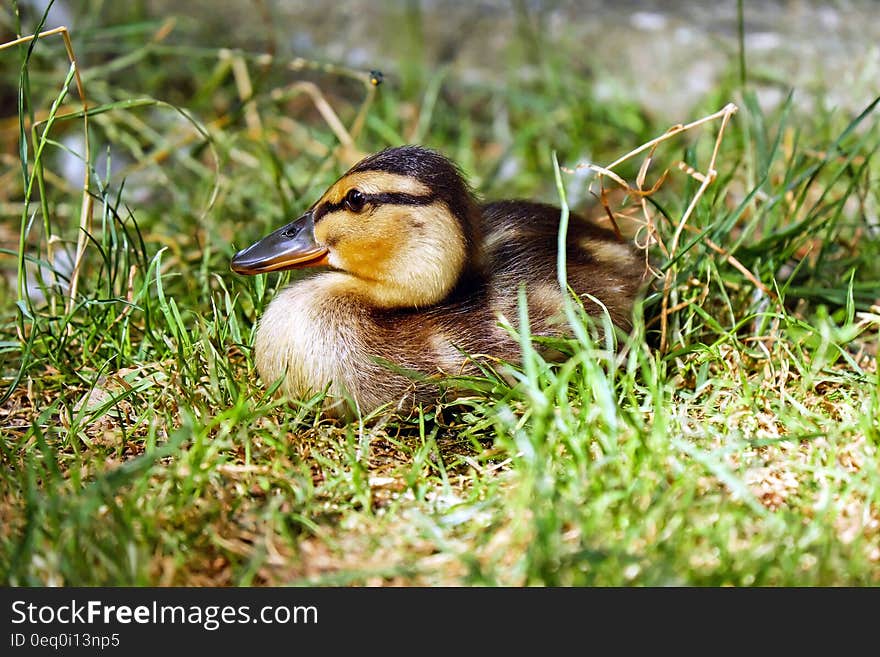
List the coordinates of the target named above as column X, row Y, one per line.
column 420, row 275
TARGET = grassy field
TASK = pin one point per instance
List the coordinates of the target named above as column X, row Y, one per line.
column 732, row 439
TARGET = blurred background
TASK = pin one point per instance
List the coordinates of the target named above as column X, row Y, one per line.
column 667, row 55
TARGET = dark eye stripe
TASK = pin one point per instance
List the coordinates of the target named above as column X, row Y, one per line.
column 399, row 198
column 382, row 198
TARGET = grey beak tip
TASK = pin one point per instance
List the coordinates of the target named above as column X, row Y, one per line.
column 261, row 256
column 239, row 260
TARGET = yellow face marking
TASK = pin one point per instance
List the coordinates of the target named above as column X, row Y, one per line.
column 405, row 255
column 362, row 244
column 374, row 182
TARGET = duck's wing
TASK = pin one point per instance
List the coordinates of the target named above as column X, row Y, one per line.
column 520, row 246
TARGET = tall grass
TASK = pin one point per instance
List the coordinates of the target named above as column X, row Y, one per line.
column 139, row 448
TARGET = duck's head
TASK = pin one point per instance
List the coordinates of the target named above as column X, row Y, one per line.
column 402, row 223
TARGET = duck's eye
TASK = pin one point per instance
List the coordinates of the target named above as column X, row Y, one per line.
column 355, row 200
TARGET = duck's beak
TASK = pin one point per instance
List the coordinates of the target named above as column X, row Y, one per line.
column 290, row 247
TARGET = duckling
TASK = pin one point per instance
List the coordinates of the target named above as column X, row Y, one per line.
column 419, row 275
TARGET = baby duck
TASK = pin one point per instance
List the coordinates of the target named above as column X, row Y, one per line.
column 420, row 274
